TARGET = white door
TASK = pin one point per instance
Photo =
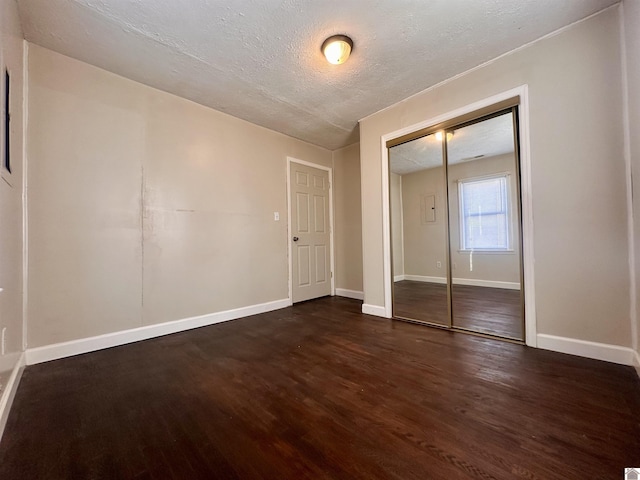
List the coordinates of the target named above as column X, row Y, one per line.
column 310, row 233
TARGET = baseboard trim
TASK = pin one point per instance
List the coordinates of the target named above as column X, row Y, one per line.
column 374, row 310
column 461, row 281
column 91, row 344
column 583, row 348
column 636, row 362
column 486, row 283
column 399, row 278
column 9, row 393
column 426, row 279
column 355, row 294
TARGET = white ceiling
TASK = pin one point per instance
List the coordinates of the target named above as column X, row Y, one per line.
column 479, row 140
column 260, row 60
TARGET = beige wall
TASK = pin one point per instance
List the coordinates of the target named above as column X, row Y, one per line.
column 632, row 45
column 11, row 212
column 396, row 213
column 424, row 244
column 578, row 174
column 145, row 207
column 347, row 218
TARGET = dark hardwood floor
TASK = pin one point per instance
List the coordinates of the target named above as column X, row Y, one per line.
column 495, row 311
column 422, row 301
column 320, row 391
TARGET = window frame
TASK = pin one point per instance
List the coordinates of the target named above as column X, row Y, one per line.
column 508, row 213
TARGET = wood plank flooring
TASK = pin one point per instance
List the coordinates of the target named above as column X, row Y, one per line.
column 495, row 311
column 320, row 391
column 422, row 301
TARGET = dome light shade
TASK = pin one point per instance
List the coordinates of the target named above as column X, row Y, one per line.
column 337, row 49
column 440, row 136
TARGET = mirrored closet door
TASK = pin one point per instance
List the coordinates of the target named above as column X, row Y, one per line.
column 419, row 230
column 456, row 227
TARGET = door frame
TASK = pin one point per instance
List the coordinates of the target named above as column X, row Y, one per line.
column 525, row 192
column 291, row 160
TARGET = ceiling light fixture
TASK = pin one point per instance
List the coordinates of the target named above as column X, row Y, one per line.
column 337, row 49
column 440, row 136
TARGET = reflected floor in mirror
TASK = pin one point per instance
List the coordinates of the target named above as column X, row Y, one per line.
column 495, row 311
column 422, row 301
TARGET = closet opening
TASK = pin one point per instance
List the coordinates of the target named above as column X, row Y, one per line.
column 455, row 215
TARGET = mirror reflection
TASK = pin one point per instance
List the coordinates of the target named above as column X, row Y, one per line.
column 419, row 231
column 455, row 228
column 484, row 227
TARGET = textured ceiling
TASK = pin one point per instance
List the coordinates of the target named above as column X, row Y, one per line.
column 480, row 140
column 260, row 60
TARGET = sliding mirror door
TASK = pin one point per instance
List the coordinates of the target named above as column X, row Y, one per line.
column 419, row 231
column 484, row 226
column 456, row 236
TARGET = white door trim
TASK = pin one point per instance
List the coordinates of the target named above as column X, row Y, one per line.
column 525, row 192
column 291, row 160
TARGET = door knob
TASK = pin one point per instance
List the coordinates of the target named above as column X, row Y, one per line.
column 295, row 239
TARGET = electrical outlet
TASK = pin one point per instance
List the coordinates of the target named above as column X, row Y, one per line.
column 276, row 216
column 439, row 264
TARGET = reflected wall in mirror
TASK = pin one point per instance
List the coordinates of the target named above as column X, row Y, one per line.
column 484, row 228
column 419, row 231
column 456, row 230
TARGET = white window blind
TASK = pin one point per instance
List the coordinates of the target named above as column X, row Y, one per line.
column 484, row 213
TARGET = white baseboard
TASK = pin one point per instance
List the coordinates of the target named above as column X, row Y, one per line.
column 91, row 344
column 426, row 279
column 636, row 362
column 9, row 393
column 355, row 294
column 583, row 348
column 486, row 283
column 460, row 281
column 374, row 310
column 399, row 278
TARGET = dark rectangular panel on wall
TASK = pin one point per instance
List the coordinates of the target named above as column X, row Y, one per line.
column 7, row 117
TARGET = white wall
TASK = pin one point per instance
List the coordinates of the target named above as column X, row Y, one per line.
column 11, row 212
column 145, row 207
column 578, row 174
column 631, row 9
